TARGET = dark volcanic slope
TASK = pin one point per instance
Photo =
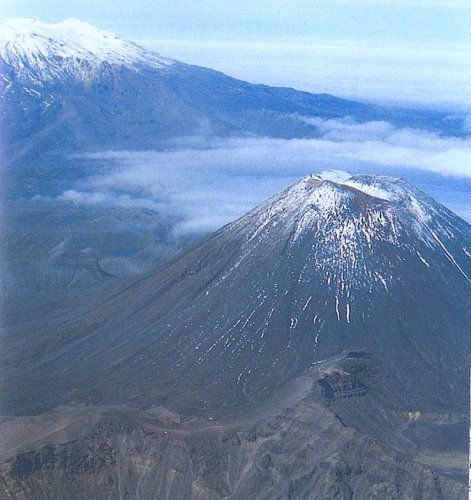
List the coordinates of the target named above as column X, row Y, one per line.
column 315, row 348
column 327, row 266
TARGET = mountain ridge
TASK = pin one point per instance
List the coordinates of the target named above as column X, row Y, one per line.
column 141, row 100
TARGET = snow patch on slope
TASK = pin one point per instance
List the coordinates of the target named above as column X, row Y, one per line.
column 372, row 186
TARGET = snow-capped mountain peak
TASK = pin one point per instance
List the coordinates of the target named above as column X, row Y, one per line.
column 48, row 51
column 332, row 192
column 383, row 187
column 347, row 217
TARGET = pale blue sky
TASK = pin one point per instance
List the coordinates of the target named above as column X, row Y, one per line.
column 385, row 21
column 413, row 51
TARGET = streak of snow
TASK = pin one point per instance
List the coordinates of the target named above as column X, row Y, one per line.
column 422, row 259
column 448, row 255
column 307, row 303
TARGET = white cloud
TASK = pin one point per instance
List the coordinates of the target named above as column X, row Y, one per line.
column 347, row 129
column 106, row 198
column 215, row 181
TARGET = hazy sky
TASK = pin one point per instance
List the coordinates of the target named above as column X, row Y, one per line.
column 386, row 50
column 390, row 21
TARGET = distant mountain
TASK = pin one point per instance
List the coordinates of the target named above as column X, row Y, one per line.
column 69, row 87
column 340, row 303
column 69, row 50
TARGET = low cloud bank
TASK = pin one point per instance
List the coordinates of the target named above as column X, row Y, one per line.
column 208, row 183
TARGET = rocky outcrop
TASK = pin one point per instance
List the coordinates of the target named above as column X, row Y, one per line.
column 122, row 453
